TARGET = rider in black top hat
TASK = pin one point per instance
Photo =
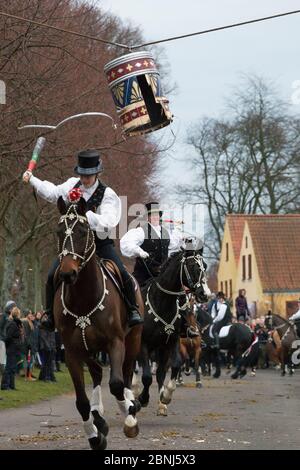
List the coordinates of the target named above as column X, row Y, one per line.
column 150, row 244
column 104, row 212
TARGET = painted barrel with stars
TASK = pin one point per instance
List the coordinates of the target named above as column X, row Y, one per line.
column 135, row 85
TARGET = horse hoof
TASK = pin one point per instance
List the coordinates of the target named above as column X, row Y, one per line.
column 216, row 376
column 235, row 375
column 187, row 372
column 98, row 443
column 162, row 412
column 101, row 425
column 179, row 383
column 198, row 385
column 131, row 431
column 243, row 373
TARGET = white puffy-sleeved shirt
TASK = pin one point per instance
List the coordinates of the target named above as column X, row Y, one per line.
column 108, row 214
column 218, row 311
column 130, row 243
column 296, row 316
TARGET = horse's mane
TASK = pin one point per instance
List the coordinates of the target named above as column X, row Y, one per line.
column 168, row 261
column 280, row 317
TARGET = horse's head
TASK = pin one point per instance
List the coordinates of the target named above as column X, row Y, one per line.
column 76, row 242
column 193, row 274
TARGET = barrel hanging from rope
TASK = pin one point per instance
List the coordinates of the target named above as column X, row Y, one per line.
column 135, row 84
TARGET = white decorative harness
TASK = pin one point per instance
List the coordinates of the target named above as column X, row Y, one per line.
column 82, row 321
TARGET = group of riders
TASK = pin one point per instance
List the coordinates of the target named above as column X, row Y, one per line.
column 150, row 244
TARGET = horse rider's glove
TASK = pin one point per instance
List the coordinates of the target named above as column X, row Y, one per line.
column 26, row 176
column 143, row 254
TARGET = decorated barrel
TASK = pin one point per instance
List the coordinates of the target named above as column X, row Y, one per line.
column 135, row 85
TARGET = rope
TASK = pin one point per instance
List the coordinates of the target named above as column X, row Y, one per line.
column 130, row 48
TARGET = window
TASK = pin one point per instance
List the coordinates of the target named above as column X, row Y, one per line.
column 249, row 267
column 226, row 289
column 246, row 242
column 227, row 252
column 222, row 286
column 230, row 288
column 244, row 267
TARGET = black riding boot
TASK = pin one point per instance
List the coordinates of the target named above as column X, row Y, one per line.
column 134, row 317
column 49, row 323
column 217, row 340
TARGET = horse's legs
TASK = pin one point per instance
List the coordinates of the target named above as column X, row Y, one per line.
column 116, row 384
column 96, row 439
column 146, row 376
column 197, row 366
column 217, row 373
column 165, row 393
column 128, row 370
column 97, row 408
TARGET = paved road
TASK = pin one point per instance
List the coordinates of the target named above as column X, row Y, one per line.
column 261, row 412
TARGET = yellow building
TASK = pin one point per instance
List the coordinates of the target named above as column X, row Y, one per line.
column 260, row 253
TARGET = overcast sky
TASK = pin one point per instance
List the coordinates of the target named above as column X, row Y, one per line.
column 206, row 68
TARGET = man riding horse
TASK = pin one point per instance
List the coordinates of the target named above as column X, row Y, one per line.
column 150, row 244
column 221, row 316
column 104, row 213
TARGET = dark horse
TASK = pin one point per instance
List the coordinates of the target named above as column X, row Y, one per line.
column 287, row 336
column 90, row 315
column 240, row 342
column 163, row 320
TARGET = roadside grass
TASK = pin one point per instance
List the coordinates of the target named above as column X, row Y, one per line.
column 31, row 392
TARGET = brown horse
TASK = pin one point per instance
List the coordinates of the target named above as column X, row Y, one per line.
column 287, row 336
column 190, row 345
column 91, row 316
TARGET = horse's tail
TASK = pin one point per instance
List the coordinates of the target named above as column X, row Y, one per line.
column 250, row 356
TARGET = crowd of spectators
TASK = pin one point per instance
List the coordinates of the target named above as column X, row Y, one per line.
column 26, row 346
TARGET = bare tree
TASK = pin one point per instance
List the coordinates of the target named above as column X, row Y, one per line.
column 248, row 163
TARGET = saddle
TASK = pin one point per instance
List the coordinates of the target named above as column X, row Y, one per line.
column 110, row 269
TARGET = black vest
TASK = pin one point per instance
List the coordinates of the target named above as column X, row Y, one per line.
column 155, row 246
column 93, row 203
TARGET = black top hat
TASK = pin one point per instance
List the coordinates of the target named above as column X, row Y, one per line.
column 152, row 208
column 89, row 162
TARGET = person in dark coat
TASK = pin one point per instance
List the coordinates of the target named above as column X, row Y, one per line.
column 47, row 348
column 14, row 344
column 30, row 347
column 3, row 324
column 242, row 311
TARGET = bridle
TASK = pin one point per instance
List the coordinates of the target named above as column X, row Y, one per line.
column 184, row 269
column 278, row 327
column 83, row 320
column 169, row 327
column 73, row 216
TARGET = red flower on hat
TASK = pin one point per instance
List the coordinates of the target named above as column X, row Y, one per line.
column 74, row 195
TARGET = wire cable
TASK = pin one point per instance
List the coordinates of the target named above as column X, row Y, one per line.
column 174, row 38
column 68, row 31
column 206, row 31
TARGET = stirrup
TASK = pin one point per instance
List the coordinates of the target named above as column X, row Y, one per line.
column 134, row 318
